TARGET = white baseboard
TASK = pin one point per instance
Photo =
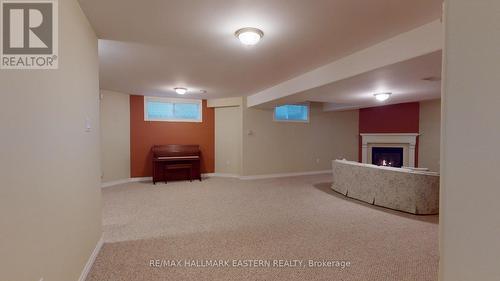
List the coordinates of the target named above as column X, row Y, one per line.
column 123, row 181
column 145, row 179
column 207, row 175
column 284, row 175
column 91, row 260
column 116, row 182
column 223, row 175
column 141, row 179
column 268, row 176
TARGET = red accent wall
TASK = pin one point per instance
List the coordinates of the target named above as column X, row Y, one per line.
column 145, row 134
column 396, row 118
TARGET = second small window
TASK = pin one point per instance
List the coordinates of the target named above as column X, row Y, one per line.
column 292, row 113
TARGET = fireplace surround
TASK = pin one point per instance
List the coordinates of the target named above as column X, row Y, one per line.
column 406, row 141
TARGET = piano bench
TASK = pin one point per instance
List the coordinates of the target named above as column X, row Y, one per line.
column 180, row 167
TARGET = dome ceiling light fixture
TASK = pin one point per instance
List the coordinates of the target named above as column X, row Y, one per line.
column 249, row 35
column 382, row 96
column 180, row 91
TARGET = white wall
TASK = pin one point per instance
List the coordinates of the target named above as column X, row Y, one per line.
column 430, row 135
column 50, row 204
column 115, row 136
column 287, row 147
column 470, row 173
column 228, row 133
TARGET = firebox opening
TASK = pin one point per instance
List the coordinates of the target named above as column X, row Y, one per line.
column 387, row 156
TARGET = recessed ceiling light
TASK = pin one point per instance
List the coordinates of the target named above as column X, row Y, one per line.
column 249, row 35
column 382, row 96
column 180, row 91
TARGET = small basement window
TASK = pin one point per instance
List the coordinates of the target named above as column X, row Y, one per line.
column 292, row 113
column 172, row 110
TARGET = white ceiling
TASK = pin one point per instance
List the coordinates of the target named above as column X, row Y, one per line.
column 405, row 80
column 149, row 47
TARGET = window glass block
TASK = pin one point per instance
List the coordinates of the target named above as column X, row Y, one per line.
column 292, row 112
column 159, row 110
column 187, row 111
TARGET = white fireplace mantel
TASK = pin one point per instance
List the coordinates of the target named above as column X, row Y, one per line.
column 409, row 139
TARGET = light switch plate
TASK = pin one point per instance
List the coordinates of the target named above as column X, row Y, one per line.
column 88, row 125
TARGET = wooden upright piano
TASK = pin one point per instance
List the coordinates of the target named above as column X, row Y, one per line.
column 172, row 161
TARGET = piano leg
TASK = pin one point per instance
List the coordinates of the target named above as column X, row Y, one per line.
column 154, row 172
column 165, row 172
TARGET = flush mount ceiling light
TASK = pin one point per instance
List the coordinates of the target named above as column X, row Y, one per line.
column 249, row 35
column 382, row 96
column 180, row 91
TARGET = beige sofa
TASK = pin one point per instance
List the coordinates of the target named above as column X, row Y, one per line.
column 402, row 189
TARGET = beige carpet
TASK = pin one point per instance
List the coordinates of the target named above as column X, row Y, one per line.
column 232, row 220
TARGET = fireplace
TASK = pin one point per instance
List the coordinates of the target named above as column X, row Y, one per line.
column 387, row 156
column 404, row 141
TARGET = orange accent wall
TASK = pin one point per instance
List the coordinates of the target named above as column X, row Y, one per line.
column 145, row 134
